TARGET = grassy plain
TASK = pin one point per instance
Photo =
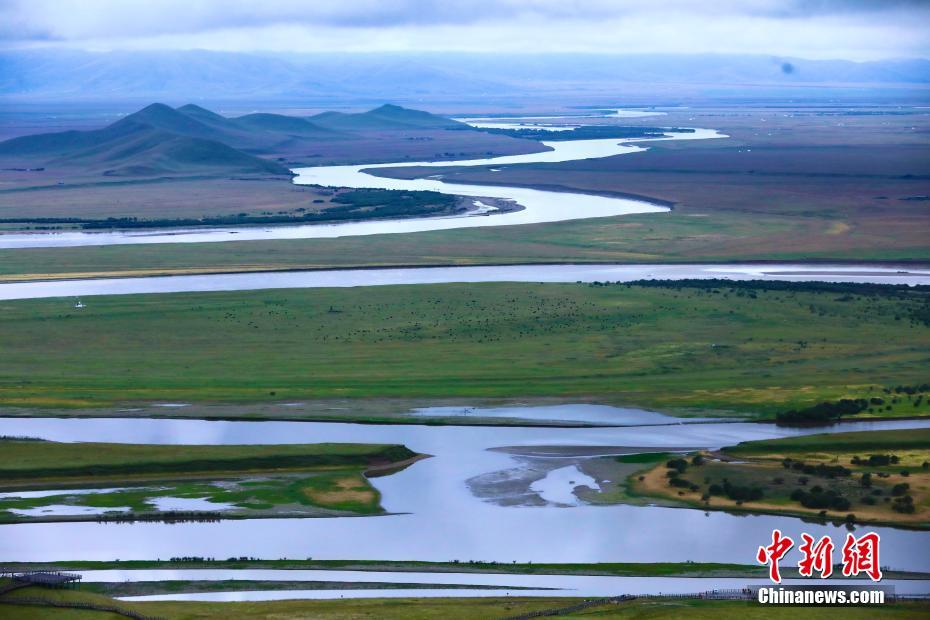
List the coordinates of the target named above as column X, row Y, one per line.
column 818, row 466
column 706, row 349
column 306, row 480
column 447, row 608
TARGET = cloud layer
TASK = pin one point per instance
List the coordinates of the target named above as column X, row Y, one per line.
column 856, row 29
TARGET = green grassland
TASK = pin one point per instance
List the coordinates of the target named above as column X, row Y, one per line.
column 442, row 608
column 837, row 442
column 832, row 476
column 687, row 349
column 307, row 480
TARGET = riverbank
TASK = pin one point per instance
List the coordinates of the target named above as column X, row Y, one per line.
column 708, row 570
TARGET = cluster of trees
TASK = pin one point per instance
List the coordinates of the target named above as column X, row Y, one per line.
column 820, row 499
column 678, row 466
column 876, row 460
column 908, row 389
column 820, row 469
column 844, row 288
column 739, row 493
column 822, row 413
column 354, row 205
column 588, row 132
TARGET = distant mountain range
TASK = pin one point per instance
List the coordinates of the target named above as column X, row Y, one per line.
column 159, row 139
column 352, row 78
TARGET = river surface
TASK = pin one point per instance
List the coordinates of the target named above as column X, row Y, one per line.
column 539, row 206
column 441, row 513
column 438, row 275
column 542, row 585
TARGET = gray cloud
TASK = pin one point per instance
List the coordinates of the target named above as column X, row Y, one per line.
column 868, row 28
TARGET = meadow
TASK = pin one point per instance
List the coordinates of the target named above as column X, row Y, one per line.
column 704, row 348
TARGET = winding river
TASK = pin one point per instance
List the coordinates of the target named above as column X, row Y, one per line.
column 539, row 206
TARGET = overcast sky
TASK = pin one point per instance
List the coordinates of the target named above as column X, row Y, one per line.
column 852, row 29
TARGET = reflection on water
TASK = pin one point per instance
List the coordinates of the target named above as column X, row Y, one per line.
column 442, row 520
column 558, row 487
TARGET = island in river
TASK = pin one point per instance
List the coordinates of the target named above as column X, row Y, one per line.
column 51, row 481
column 880, row 477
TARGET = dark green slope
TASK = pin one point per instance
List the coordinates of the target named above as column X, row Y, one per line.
column 154, row 152
column 156, row 140
column 159, row 139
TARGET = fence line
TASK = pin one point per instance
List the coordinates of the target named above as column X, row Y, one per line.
column 35, row 600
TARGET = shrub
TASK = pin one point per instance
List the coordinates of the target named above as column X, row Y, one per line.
column 822, row 413
column 742, row 493
column 822, row 499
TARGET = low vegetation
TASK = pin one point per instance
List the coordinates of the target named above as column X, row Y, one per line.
column 716, row 348
column 350, row 205
column 587, row 132
column 874, row 476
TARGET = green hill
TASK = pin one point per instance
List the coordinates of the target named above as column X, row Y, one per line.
column 153, row 141
column 159, row 139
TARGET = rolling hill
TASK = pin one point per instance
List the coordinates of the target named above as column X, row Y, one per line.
column 385, row 118
column 155, row 140
column 160, row 140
